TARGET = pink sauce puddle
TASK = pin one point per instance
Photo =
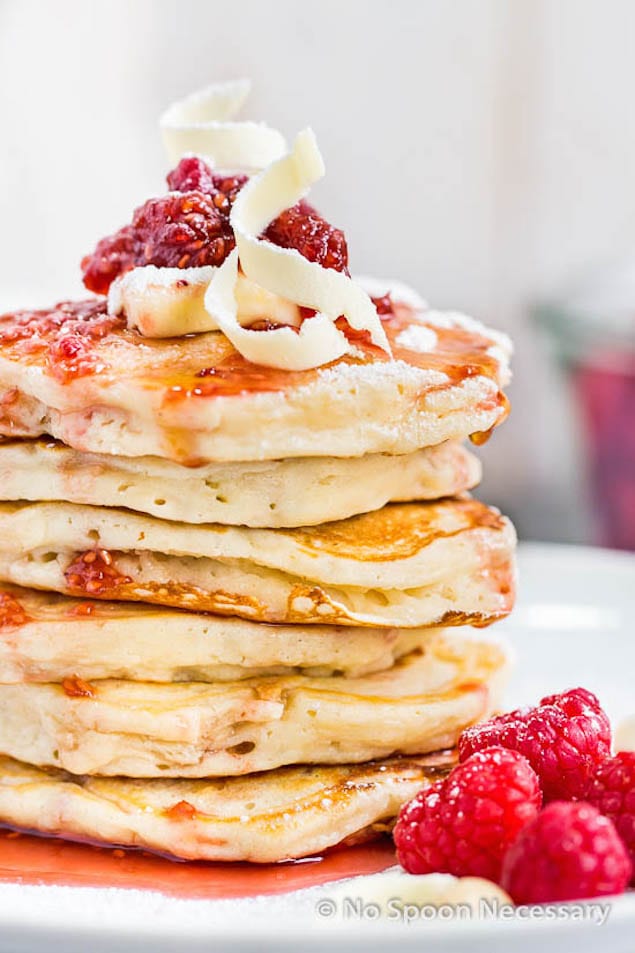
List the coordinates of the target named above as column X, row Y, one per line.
column 606, row 395
column 26, row 859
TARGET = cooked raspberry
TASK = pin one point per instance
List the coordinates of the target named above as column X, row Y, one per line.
column 564, row 739
column 185, row 230
column 66, row 333
column 302, row 228
column 568, row 852
column 190, row 227
column 192, row 174
column 612, row 791
column 463, row 824
column 76, row 687
column 179, row 230
column 94, row 573
column 384, row 305
column 12, row 612
column 112, row 256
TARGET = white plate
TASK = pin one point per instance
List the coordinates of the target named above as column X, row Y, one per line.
column 573, row 626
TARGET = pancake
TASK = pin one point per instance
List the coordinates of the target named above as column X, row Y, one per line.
column 81, row 376
column 294, row 492
column 408, row 564
column 190, row 729
column 284, row 814
column 45, row 637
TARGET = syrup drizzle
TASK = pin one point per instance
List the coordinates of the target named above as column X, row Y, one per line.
column 460, row 353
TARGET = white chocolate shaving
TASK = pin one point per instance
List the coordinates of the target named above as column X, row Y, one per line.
column 202, row 124
column 276, row 280
column 283, row 270
column 317, row 341
column 286, row 273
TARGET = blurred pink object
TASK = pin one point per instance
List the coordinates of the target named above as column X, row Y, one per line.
column 593, row 333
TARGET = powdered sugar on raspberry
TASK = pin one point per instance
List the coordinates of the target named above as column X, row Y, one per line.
column 564, row 739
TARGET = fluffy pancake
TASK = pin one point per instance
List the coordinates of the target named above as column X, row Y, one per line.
column 45, row 637
column 142, row 729
column 284, row 814
column 81, row 376
column 408, row 564
column 272, row 493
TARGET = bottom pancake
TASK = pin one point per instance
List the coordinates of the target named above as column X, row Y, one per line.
column 262, row 818
column 195, row 730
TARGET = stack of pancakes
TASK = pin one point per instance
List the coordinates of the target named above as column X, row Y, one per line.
column 231, row 595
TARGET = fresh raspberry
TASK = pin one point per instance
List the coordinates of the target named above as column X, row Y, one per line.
column 612, row 791
column 463, row 824
column 302, row 228
column 568, row 852
column 564, row 739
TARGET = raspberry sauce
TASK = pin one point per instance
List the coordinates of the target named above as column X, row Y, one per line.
column 28, row 859
column 12, row 612
column 94, row 573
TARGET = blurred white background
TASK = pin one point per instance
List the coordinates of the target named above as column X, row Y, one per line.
column 481, row 150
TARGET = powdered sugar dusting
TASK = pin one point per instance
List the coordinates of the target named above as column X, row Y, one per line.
column 417, row 337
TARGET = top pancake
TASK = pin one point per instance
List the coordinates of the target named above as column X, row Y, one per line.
column 81, row 376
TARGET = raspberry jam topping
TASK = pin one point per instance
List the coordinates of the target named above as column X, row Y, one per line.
column 193, row 174
column 66, row 333
column 190, row 227
column 82, row 610
column 179, row 230
column 76, row 687
column 12, row 613
column 94, row 572
column 181, row 811
column 384, row 305
column 302, row 228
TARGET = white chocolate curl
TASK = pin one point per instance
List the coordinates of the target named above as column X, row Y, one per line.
column 202, row 124
column 286, row 273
